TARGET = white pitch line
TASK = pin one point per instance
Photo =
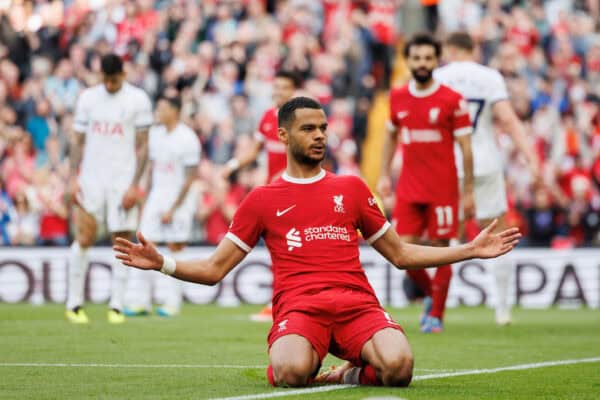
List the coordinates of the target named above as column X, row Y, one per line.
column 319, row 389
column 508, row 368
column 77, row 365
column 292, row 392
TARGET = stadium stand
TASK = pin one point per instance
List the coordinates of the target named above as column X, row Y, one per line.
column 221, row 56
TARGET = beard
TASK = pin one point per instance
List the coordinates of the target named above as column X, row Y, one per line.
column 302, row 158
column 422, row 75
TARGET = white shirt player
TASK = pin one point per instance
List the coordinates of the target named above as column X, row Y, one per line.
column 110, row 122
column 170, row 153
column 481, row 86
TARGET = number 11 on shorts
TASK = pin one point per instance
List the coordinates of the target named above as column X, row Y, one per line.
column 444, row 216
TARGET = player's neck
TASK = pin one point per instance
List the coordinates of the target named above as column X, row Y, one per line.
column 302, row 171
column 462, row 57
column 425, row 85
column 170, row 125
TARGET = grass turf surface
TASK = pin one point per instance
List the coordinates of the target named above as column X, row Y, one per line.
column 206, row 336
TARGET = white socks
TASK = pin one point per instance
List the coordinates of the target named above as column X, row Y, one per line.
column 139, row 289
column 119, row 280
column 503, row 270
column 78, row 266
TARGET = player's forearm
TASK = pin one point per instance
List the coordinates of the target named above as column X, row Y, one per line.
column 76, row 153
column 413, row 256
column 389, row 147
column 183, row 192
column 198, row 271
column 246, row 158
column 467, row 158
column 141, row 156
column 519, row 136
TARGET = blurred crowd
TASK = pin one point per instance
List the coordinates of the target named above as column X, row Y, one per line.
column 221, row 57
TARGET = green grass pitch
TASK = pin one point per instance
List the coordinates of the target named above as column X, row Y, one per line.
column 212, row 352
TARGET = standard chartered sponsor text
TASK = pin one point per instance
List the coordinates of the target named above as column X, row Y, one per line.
column 327, row 232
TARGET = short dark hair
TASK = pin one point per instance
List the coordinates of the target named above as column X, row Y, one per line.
column 174, row 101
column 287, row 113
column 461, row 40
column 290, row 75
column 423, row 39
column 111, row 64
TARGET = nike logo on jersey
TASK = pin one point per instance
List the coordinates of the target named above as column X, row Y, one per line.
column 280, row 213
column 402, row 114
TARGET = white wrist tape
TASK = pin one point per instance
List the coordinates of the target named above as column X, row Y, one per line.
column 169, row 265
column 233, row 164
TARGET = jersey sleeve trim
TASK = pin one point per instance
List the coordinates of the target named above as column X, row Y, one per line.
column 497, row 99
column 143, row 127
column 390, row 126
column 259, row 137
column 80, row 126
column 238, row 242
column 379, row 233
column 467, row 130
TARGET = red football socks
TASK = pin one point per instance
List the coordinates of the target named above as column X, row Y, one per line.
column 421, row 278
column 439, row 290
column 369, row 377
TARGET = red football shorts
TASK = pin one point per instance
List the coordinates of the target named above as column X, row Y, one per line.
column 334, row 320
column 438, row 218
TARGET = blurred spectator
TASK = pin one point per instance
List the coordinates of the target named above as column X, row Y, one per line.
column 23, row 228
column 6, row 210
column 544, row 220
column 18, row 168
column 54, row 227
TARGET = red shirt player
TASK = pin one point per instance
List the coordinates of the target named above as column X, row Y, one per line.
column 323, row 302
column 284, row 86
column 427, row 118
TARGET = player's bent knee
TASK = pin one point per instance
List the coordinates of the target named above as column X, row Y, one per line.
column 291, row 374
column 397, row 371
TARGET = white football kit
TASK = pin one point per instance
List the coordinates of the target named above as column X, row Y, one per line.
column 110, row 122
column 481, row 86
column 170, row 153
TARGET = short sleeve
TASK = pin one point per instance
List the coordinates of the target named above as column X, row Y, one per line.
column 260, row 134
column 152, row 147
column 246, row 227
column 461, row 119
column 371, row 221
column 81, row 119
column 393, row 123
column 143, row 117
column 191, row 155
column 497, row 88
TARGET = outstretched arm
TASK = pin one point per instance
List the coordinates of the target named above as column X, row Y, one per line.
column 210, row 271
column 411, row 256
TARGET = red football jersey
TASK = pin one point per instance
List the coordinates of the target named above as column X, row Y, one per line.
column 267, row 133
column 427, row 122
column 310, row 228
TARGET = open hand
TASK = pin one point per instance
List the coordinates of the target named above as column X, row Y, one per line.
column 142, row 255
column 490, row 245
